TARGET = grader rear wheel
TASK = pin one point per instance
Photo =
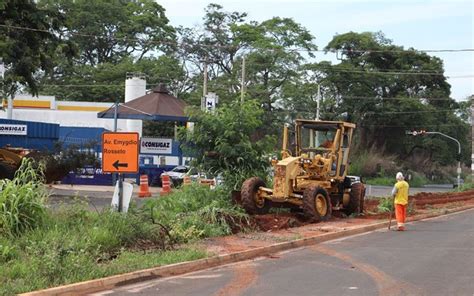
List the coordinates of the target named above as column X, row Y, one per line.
column 251, row 201
column 356, row 201
column 7, row 171
column 316, row 204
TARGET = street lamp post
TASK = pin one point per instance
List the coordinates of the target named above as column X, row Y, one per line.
column 415, row 133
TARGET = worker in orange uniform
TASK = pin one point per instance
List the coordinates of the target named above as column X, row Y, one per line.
column 400, row 194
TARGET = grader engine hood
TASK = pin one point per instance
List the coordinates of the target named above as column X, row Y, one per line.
column 286, row 171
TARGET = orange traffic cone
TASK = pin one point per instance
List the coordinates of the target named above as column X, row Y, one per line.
column 144, row 190
column 166, row 185
column 186, row 180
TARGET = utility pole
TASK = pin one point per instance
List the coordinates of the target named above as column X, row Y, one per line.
column 204, row 87
column 472, row 138
column 318, row 102
column 242, row 89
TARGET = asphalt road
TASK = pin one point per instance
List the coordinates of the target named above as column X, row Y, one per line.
column 433, row 257
column 381, row 191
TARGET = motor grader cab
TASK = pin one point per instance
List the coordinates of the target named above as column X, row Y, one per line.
column 312, row 176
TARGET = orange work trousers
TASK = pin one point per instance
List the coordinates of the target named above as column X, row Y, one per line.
column 400, row 214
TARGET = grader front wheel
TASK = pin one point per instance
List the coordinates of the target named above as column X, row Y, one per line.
column 356, row 201
column 316, row 204
column 251, row 201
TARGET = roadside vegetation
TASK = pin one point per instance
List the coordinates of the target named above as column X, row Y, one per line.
column 42, row 247
column 378, row 168
column 225, row 142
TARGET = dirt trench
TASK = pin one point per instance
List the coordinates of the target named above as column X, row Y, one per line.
column 277, row 221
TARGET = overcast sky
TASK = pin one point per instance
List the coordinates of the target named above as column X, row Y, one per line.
column 447, row 24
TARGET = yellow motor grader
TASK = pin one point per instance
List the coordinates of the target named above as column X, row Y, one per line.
column 10, row 160
column 312, row 175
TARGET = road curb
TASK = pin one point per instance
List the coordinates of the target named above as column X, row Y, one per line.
column 196, row 265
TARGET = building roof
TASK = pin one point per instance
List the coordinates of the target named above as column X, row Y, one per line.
column 159, row 105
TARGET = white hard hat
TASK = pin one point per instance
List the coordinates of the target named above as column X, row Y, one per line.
column 399, row 176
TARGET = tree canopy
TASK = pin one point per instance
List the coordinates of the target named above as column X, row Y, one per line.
column 82, row 50
column 25, row 52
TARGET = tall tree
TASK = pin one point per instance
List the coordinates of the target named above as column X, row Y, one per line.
column 107, row 31
column 274, row 49
column 27, row 42
column 111, row 38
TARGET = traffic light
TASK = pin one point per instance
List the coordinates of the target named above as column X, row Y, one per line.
column 416, row 133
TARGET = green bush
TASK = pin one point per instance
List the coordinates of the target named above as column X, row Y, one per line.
column 22, row 200
column 417, row 180
column 381, row 181
column 197, row 211
column 372, row 163
column 385, row 205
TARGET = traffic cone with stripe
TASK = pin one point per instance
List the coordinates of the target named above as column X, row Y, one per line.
column 144, row 189
column 166, row 185
column 186, row 180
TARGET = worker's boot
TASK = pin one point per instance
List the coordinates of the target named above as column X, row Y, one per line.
column 401, row 228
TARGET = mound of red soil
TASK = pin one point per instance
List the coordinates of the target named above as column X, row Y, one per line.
column 422, row 199
column 271, row 222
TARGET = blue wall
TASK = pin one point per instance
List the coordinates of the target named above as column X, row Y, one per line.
column 83, row 137
column 40, row 136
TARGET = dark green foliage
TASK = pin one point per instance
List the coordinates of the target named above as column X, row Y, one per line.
column 24, row 52
column 385, row 104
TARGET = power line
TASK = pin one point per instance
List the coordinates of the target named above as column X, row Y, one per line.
column 376, row 72
column 410, row 126
column 343, row 97
column 183, row 44
column 371, row 112
column 392, row 99
column 99, row 85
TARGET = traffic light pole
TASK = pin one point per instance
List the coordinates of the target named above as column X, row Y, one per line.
column 459, row 154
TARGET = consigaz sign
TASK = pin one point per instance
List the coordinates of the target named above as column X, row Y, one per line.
column 156, row 146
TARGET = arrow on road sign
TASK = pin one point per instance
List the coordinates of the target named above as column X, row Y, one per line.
column 120, row 152
column 117, row 164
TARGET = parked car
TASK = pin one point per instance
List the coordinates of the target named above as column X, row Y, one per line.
column 195, row 175
column 455, row 182
column 354, row 179
column 176, row 174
